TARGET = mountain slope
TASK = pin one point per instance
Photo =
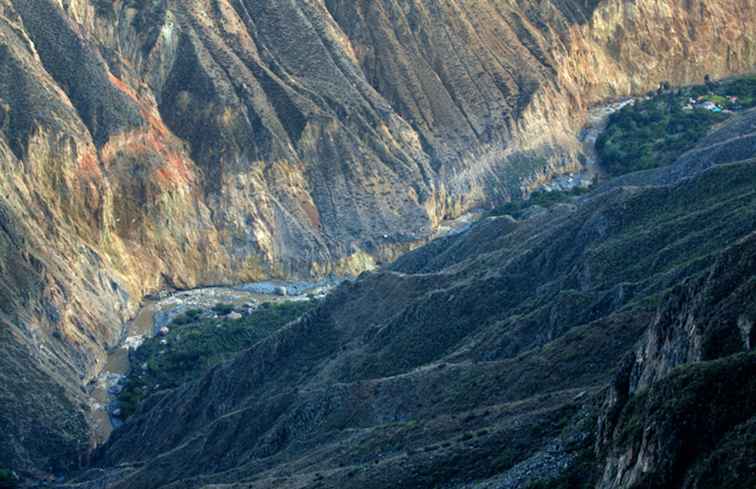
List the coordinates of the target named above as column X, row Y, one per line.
column 497, row 357
column 151, row 144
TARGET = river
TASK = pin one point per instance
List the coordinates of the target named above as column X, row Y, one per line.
column 596, row 122
column 160, row 310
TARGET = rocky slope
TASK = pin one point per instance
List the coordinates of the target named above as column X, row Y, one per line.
column 161, row 143
column 604, row 343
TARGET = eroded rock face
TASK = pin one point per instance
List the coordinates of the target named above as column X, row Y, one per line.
column 702, row 321
column 145, row 144
column 664, row 425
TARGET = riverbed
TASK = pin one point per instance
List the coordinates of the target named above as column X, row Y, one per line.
column 596, row 122
column 160, row 310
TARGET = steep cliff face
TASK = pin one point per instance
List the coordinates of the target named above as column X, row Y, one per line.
column 670, row 426
column 632, row 45
column 497, row 89
column 679, row 413
column 146, row 144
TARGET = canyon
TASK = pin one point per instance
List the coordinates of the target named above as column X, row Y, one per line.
column 147, row 145
column 603, row 343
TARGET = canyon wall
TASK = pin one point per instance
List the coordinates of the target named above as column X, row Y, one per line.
column 146, row 144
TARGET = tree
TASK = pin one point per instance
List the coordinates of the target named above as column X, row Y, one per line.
column 8, row 479
column 710, row 84
column 664, row 86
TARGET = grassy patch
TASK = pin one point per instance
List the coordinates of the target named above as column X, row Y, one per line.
column 194, row 345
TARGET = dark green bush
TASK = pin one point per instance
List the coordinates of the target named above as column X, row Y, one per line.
column 190, row 316
column 8, row 479
column 542, row 198
column 223, row 309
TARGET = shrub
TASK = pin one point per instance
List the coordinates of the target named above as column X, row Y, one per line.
column 542, row 198
column 193, row 313
column 189, row 317
column 223, row 309
column 8, row 479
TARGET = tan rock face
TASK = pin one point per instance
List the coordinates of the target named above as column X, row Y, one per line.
column 145, row 144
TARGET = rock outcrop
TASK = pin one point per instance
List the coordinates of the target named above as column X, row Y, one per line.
column 146, row 144
column 665, row 424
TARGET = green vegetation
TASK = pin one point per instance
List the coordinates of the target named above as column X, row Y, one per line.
column 744, row 88
column 689, row 395
column 8, row 479
column 194, row 345
column 190, row 316
column 542, row 198
column 223, row 309
column 651, row 134
column 655, row 132
column 701, row 407
column 733, row 464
